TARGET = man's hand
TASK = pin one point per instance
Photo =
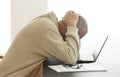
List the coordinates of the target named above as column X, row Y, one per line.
column 70, row 18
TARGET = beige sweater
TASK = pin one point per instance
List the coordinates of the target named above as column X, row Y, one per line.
column 36, row 42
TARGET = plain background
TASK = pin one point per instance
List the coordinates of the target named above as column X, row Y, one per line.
column 14, row 15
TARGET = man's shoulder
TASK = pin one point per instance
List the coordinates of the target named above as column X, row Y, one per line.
column 44, row 21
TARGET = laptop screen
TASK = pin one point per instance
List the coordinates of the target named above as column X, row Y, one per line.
column 100, row 46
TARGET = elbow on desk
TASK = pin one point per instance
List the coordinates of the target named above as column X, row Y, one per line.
column 71, row 60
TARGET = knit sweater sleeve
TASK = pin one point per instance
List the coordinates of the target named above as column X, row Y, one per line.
column 55, row 47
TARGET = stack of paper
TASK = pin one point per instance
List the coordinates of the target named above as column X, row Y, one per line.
column 91, row 67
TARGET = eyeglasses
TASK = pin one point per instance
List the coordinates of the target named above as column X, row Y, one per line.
column 76, row 66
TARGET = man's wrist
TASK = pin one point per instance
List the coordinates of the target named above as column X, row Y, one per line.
column 72, row 28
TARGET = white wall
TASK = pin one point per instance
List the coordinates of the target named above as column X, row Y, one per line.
column 103, row 16
column 4, row 25
column 23, row 11
column 14, row 15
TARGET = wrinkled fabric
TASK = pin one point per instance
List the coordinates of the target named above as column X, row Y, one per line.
column 37, row 41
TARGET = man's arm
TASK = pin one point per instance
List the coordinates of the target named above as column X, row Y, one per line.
column 55, row 47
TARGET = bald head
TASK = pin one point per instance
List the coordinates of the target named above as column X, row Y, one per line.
column 82, row 26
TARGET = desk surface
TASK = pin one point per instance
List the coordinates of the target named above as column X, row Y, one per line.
column 110, row 57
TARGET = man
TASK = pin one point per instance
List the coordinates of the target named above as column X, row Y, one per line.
column 42, row 38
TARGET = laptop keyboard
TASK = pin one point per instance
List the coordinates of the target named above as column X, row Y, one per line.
column 86, row 57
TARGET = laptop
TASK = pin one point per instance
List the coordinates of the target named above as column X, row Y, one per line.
column 83, row 58
column 92, row 57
